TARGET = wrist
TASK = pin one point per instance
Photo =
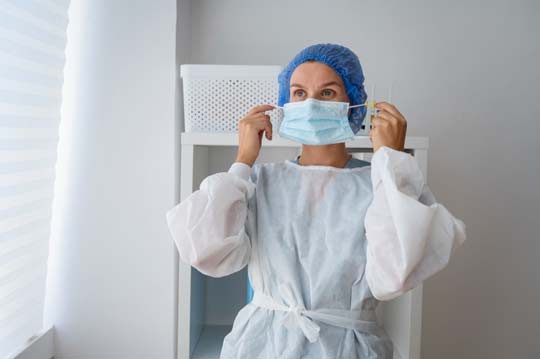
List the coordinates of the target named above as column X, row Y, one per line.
column 395, row 148
column 248, row 161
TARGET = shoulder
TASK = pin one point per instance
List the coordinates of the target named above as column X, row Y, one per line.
column 262, row 168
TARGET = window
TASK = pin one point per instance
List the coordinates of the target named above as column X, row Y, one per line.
column 32, row 44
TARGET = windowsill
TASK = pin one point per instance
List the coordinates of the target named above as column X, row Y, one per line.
column 41, row 346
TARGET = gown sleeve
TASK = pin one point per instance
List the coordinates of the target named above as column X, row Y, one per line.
column 208, row 227
column 409, row 235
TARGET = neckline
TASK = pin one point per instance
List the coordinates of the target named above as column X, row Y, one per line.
column 351, row 157
column 326, row 168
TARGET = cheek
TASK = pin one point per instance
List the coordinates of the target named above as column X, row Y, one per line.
column 344, row 98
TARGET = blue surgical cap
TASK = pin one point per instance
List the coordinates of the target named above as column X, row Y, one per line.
column 345, row 63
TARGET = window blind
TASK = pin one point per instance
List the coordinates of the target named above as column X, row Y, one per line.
column 32, row 45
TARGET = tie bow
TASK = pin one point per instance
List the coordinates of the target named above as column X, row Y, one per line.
column 296, row 316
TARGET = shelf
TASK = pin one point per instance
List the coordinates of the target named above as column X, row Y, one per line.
column 231, row 139
column 204, row 300
column 210, row 342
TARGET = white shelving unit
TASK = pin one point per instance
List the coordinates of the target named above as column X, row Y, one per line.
column 207, row 306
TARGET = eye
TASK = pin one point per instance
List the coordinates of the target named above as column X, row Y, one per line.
column 299, row 93
column 327, row 92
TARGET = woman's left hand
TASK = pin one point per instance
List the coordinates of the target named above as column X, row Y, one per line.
column 388, row 127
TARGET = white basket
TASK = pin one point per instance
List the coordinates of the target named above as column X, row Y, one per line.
column 216, row 97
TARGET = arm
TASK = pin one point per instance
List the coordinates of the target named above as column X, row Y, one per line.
column 208, row 226
column 410, row 236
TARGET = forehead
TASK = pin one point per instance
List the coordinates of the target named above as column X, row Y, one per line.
column 314, row 74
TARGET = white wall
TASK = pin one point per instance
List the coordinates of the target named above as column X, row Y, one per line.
column 111, row 288
column 466, row 75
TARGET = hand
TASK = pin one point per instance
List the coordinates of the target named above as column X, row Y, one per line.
column 250, row 131
column 389, row 128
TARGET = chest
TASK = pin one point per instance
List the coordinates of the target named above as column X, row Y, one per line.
column 310, row 214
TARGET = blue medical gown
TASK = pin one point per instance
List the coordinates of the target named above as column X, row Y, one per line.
column 323, row 246
column 351, row 163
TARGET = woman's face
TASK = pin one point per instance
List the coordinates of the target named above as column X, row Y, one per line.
column 316, row 80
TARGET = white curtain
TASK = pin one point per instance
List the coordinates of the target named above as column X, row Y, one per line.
column 32, row 44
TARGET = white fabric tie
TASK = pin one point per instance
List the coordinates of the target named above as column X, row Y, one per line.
column 298, row 316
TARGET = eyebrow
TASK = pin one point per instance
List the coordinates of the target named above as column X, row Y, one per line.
column 323, row 85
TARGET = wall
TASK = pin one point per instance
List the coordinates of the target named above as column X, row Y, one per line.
column 465, row 75
column 111, row 286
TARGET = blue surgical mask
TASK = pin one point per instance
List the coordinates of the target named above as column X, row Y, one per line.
column 316, row 122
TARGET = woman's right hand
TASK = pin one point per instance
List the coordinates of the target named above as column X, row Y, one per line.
column 250, row 131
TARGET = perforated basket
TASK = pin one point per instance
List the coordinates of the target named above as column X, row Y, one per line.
column 216, row 97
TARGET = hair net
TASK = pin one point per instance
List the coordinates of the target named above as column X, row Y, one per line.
column 345, row 63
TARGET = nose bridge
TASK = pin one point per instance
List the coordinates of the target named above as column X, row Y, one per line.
column 315, row 94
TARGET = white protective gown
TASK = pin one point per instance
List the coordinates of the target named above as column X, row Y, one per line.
column 323, row 246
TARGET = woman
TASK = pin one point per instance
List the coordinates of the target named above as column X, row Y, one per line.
column 326, row 236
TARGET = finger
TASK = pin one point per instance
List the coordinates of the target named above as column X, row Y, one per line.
column 254, row 118
column 379, row 122
column 388, row 116
column 268, row 130
column 259, row 115
column 383, row 105
column 260, row 123
column 261, row 108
